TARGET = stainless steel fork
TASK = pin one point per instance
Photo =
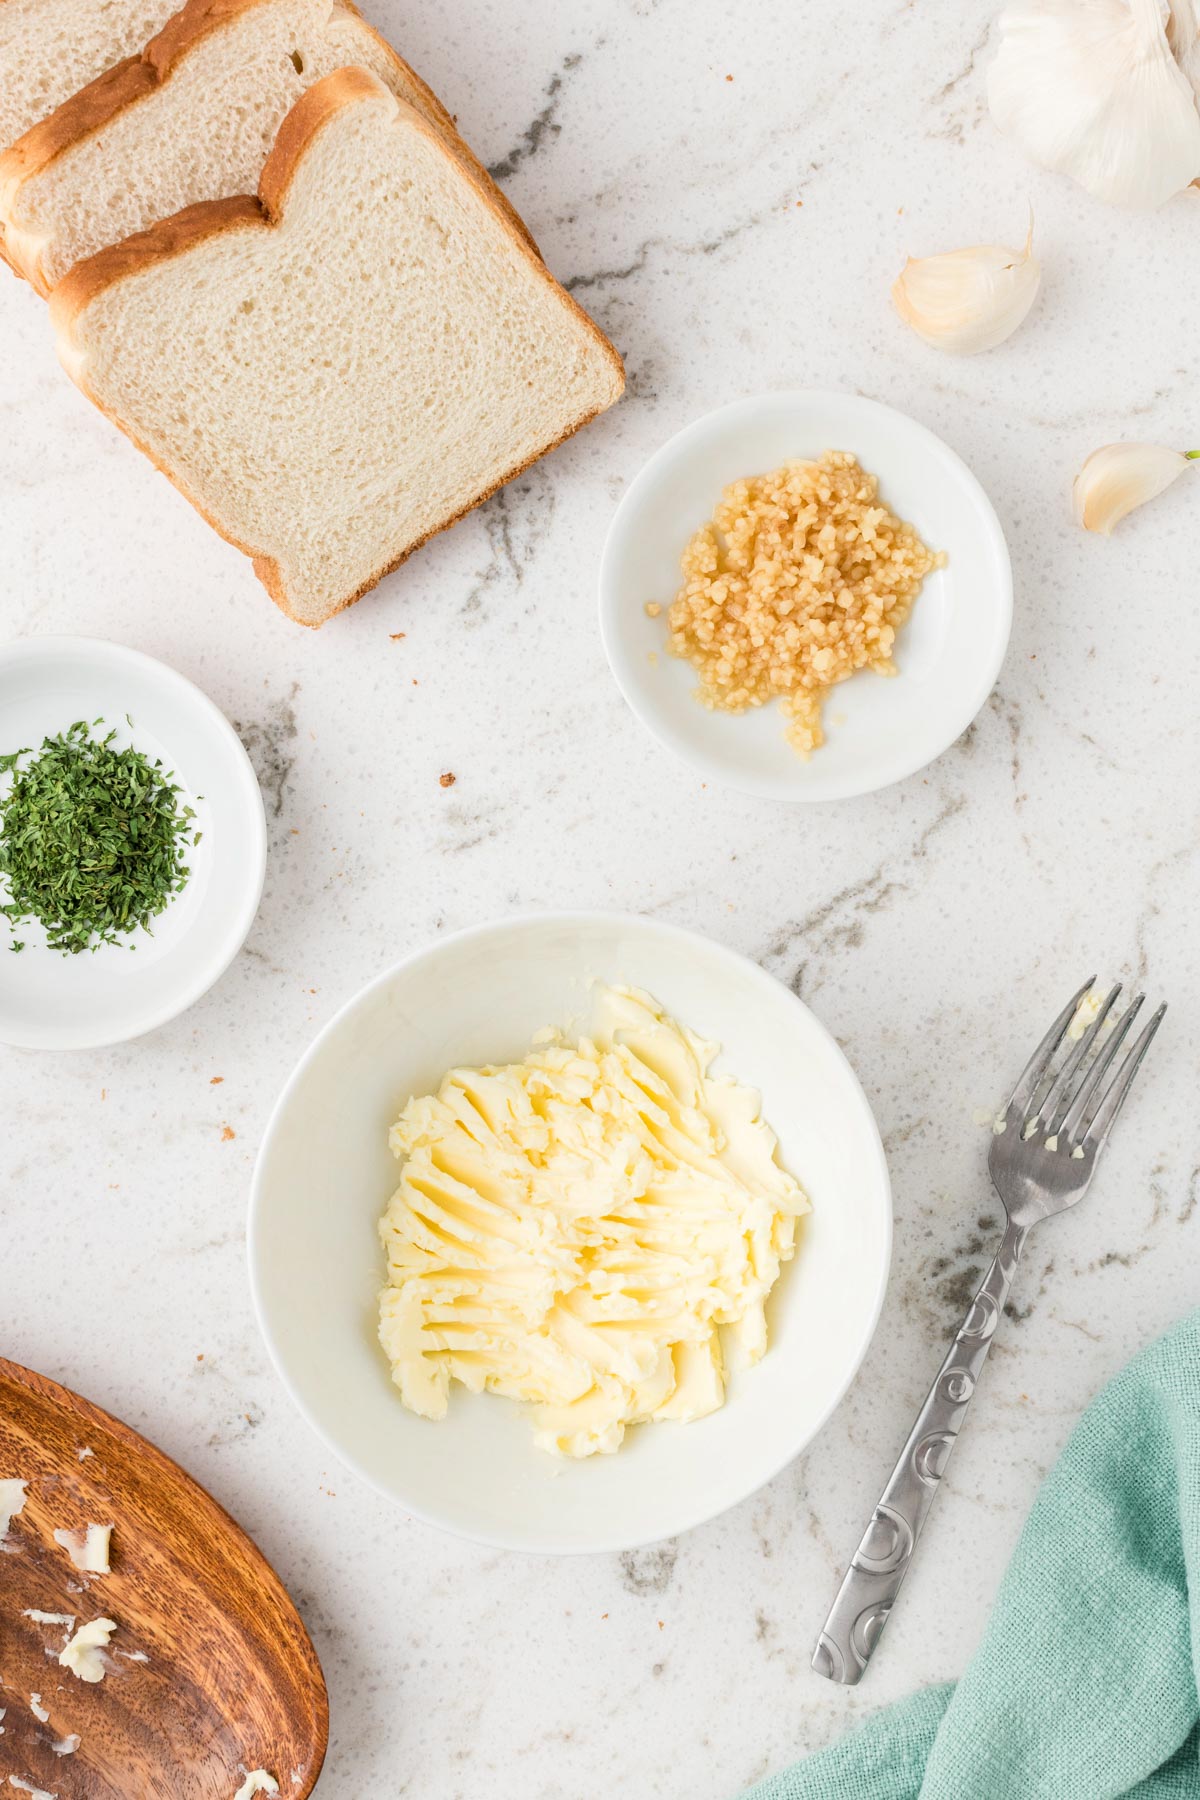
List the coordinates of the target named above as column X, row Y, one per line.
column 1042, row 1159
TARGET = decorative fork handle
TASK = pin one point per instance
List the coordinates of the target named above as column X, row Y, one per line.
column 881, row 1562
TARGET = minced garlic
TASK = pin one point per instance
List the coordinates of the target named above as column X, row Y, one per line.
column 580, row 1230
column 801, row 579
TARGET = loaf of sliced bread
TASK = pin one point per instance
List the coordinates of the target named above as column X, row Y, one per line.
column 342, row 366
column 48, row 48
column 191, row 118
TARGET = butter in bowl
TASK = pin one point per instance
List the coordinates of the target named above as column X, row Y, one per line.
column 640, row 1205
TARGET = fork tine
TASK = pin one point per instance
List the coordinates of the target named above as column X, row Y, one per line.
column 1081, row 1104
column 1039, row 1062
column 1062, row 1088
column 1119, row 1086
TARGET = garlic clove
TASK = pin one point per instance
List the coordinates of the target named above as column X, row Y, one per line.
column 1119, row 477
column 1089, row 88
column 968, row 300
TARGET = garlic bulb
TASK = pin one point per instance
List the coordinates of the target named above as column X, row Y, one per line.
column 1183, row 35
column 1116, row 479
column 1090, row 88
column 968, row 300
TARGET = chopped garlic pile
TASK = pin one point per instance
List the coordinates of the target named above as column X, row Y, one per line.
column 580, row 1229
column 801, row 578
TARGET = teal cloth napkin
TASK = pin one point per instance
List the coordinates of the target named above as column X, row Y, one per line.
column 1084, row 1686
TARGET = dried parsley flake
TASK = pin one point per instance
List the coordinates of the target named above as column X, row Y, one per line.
column 92, row 840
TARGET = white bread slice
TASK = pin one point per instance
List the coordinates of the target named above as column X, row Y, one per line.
column 192, row 118
column 336, row 370
column 48, row 48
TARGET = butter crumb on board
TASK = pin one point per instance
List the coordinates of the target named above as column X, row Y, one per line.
column 12, row 1502
column 88, row 1547
column 83, row 1654
column 257, row 1782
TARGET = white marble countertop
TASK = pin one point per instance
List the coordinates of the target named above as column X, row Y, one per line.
column 731, row 191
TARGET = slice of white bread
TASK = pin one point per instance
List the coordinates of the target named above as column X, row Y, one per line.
column 192, row 118
column 48, row 48
column 341, row 367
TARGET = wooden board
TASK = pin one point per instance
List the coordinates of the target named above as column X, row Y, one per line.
column 232, row 1681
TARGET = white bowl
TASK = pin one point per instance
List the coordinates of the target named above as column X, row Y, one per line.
column 325, row 1174
column 53, row 1001
column 949, row 652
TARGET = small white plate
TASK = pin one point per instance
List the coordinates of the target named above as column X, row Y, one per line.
column 325, row 1175
column 77, row 1002
column 949, row 652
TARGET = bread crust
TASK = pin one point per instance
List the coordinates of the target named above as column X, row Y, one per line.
column 208, row 219
column 170, row 237
column 129, row 82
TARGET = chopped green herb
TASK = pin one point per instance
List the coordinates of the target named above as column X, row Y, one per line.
column 92, row 840
column 17, row 945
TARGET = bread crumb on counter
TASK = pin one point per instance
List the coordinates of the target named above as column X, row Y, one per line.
column 801, row 578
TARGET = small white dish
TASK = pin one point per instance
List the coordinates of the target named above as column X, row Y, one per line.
column 75, row 1002
column 949, row 652
column 325, row 1174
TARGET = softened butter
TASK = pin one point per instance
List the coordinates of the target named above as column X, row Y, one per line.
column 591, row 1231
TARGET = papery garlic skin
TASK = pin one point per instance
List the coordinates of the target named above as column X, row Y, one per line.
column 1116, row 479
column 1183, row 35
column 965, row 301
column 1090, row 89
